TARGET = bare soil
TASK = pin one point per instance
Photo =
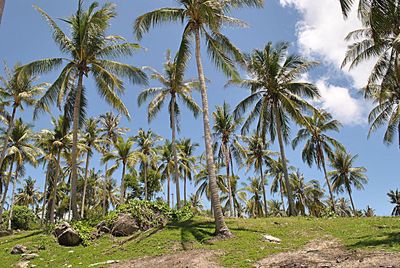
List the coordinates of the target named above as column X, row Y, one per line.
column 329, row 252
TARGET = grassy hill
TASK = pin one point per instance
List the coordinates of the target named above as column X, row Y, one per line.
column 242, row 251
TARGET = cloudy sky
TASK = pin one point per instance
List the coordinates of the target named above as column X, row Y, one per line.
column 316, row 29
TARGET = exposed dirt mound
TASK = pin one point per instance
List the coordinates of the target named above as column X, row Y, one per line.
column 330, row 253
column 184, row 259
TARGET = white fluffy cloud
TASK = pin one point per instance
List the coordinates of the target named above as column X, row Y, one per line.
column 321, row 33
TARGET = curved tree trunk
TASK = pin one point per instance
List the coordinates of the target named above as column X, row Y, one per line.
column 264, row 192
column 2, row 4
column 292, row 211
column 228, row 179
column 351, row 200
column 13, row 197
column 3, row 200
column 6, row 137
column 329, row 185
column 174, row 151
column 85, row 184
column 220, row 227
column 74, row 155
column 44, row 193
column 122, row 197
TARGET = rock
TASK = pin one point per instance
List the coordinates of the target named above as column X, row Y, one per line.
column 23, row 264
column 69, row 238
column 18, row 249
column 124, row 225
column 271, row 239
column 104, row 229
column 5, row 233
column 61, row 228
column 29, row 256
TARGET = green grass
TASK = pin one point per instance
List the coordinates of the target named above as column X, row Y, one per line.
column 242, row 251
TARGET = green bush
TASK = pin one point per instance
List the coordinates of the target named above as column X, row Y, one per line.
column 85, row 230
column 23, row 218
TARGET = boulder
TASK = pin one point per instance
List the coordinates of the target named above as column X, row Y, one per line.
column 124, row 225
column 102, row 227
column 61, row 228
column 18, row 249
column 66, row 236
column 29, row 256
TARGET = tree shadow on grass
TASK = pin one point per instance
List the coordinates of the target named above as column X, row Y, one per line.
column 388, row 239
column 194, row 231
column 14, row 238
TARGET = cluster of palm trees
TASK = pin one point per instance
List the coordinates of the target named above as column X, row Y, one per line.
column 277, row 99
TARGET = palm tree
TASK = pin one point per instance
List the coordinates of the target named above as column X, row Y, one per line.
column 2, row 4
column 224, row 128
column 258, row 155
column 188, row 160
column 166, row 167
column 254, row 203
column 317, row 143
column 345, row 175
column 17, row 90
column 89, row 50
column 91, row 139
column 110, row 132
column 124, row 154
column 173, row 87
column 196, row 204
column 28, row 195
column 203, row 18
column 395, row 199
column 145, row 141
column 276, row 95
column 276, row 172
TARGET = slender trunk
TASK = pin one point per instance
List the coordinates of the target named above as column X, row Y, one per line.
column 282, row 192
column 174, row 151
column 228, row 179
column 74, row 155
column 220, row 227
column 145, row 180
column 264, row 192
column 184, row 187
column 54, row 191
column 105, row 189
column 85, row 184
column 168, row 190
column 329, row 186
column 122, row 197
column 2, row 4
column 7, row 136
column 233, row 195
column 13, row 197
column 3, row 200
column 44, row 192
column 351, row 201
column 292, row 211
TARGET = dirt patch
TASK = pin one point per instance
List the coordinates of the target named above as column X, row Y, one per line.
column 184, row 259
column 329, row 252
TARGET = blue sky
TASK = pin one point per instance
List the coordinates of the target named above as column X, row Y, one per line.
column 315, row 30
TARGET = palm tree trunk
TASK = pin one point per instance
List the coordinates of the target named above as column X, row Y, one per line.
column 7, row 136
column 292, row 211
column 329, row 186
column 3, row 200
column 2, row 4
column 228, row 179
column 220, row 227
column 122, row 197
column 233, row 177
column 52, row 205
column 264, row 192
column 105, row 189
column 85, row 184
column 174, row 151
column 168, row 190
column 351, row 201
column 145, row 180
column 74, row 155
column 184, row 186
column 13, row 197
column 44, row 193
column 282, row 192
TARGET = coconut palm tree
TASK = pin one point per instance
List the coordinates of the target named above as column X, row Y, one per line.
column 18, row 91
column 395, row 199
column 166, row 167
column 196, row 204
column 2, row 4
column 344, row 175
column 318, row 145
column 258, row 155
column 125, row 155
column 91, row 140
column 28, row 195
column 254, row 206
column 203, row 18
column 188, row 160
column 174, row 88
column 224, row 128
column 145, row 141
column 89, row 50
column 276, row 95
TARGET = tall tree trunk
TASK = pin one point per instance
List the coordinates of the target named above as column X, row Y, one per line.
column 235, row 212
column 3, row 200
column 105, row 190
column 74, row 155
column 44, row 193
column 2, row 4
column 220, row 227
column 85, row 184
column 55, row 186
column 7, row 136
column 174, row 150
column 122, row 197
column 264, row 192
column 184, row 186
column 292, row 211
column 13, row 197
column 169, row 191
column 228, row 179
column 282, row 192
column 145, row 180
column 329, row 185
column 351, row 201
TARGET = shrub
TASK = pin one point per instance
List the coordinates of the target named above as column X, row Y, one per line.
column 23, row 218
column 85, row 230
